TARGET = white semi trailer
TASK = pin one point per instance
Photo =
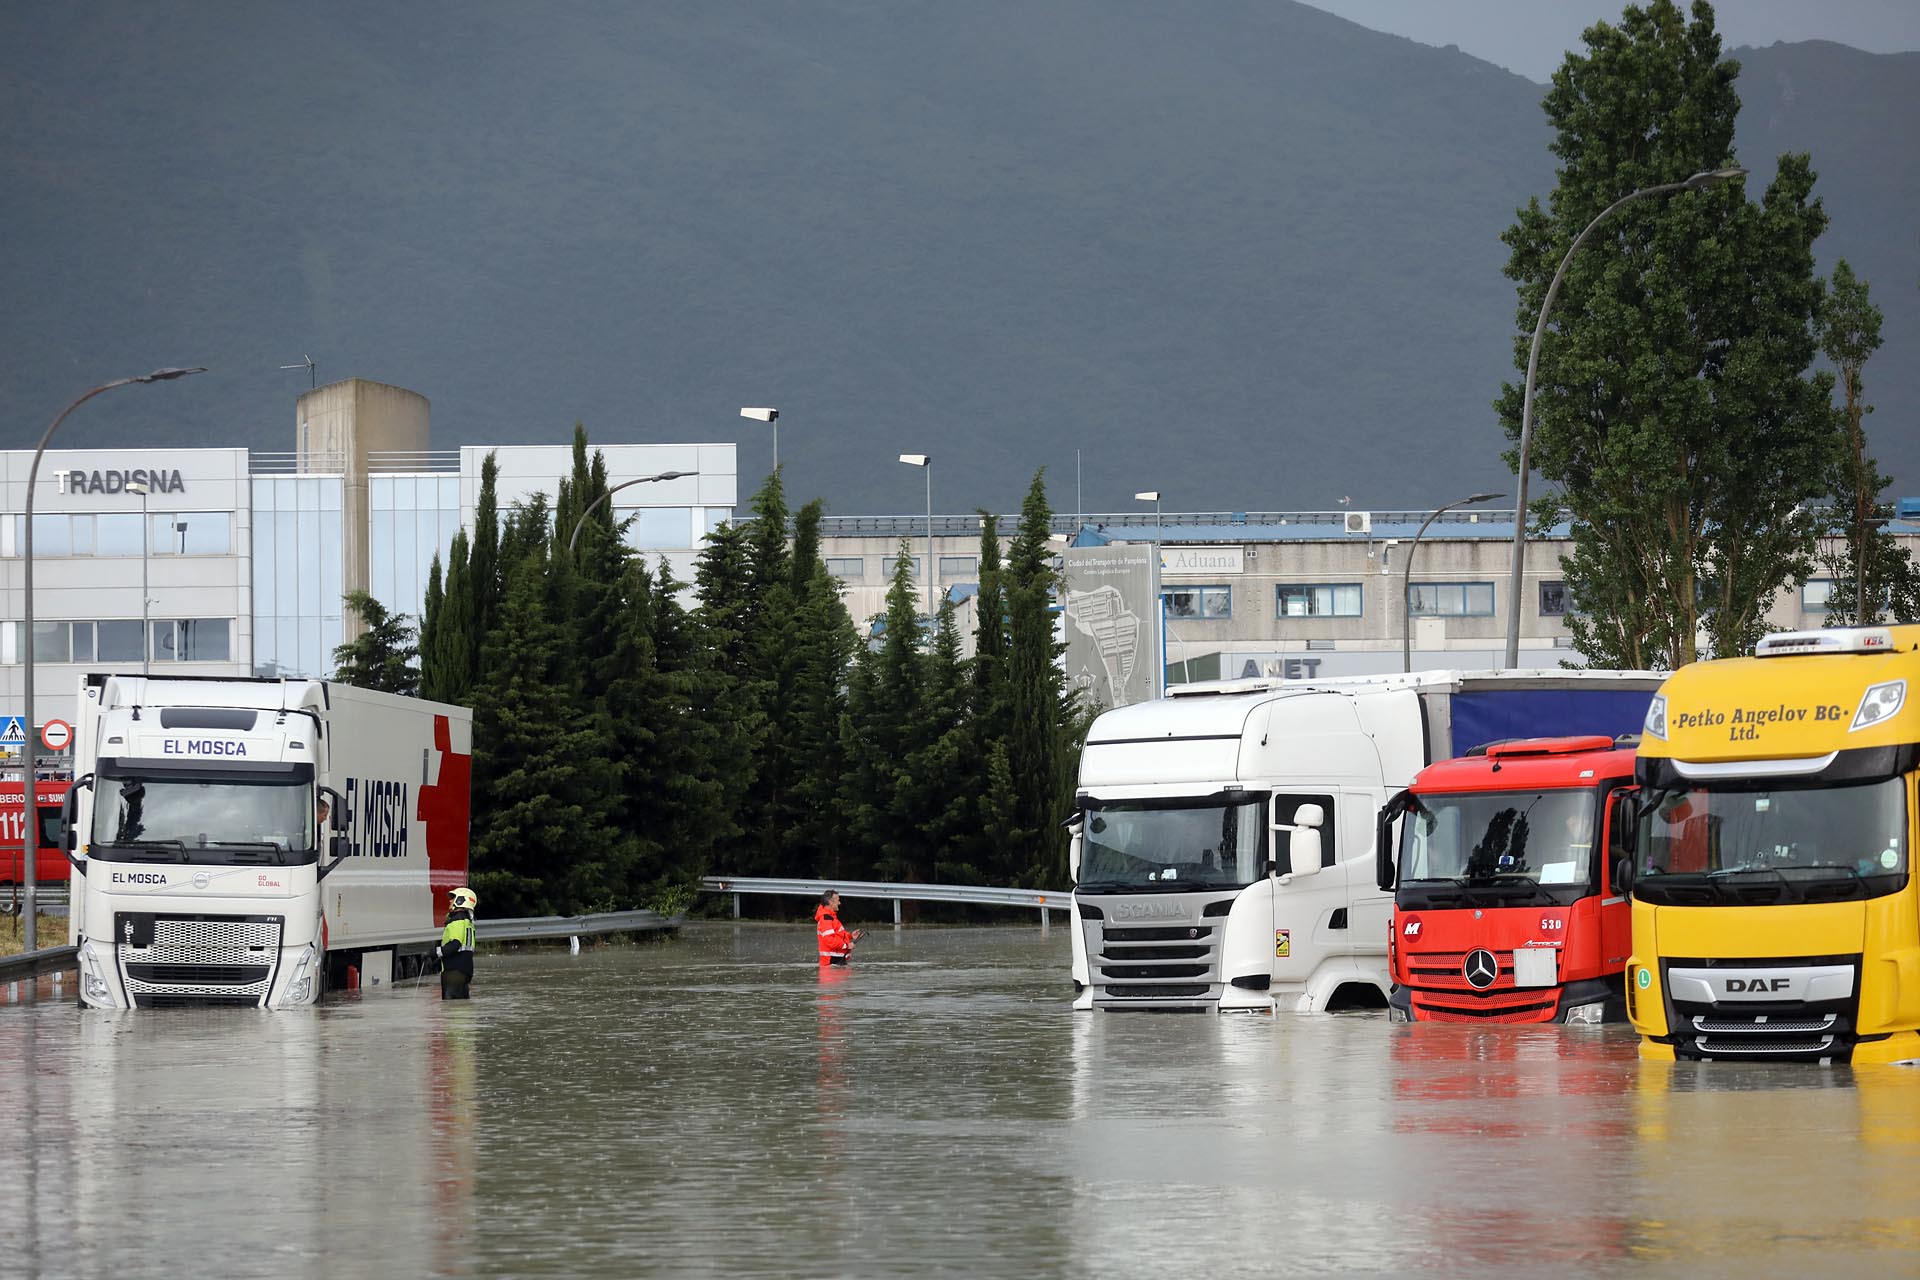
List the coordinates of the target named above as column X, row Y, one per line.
column 1223, row 843
column 204, row 871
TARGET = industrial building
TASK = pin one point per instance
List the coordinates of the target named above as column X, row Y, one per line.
column 247, row 554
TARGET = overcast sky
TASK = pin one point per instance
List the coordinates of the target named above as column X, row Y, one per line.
column 1531, row 36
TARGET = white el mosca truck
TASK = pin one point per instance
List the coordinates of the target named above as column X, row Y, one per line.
column 202, row 872
column 1223, row 844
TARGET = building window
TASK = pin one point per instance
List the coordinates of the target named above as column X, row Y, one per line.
column 113, row 640
column 1320, row 600
column 193, row 640
column 193, row 533
column 847, row 568
column 1198, row 602
column 956, row 567
column 1450, row 599
column 658, row 528
column 117, row 534
column 1553, row 599
column 1816, row 594
column 117, row 640
column 893, row 562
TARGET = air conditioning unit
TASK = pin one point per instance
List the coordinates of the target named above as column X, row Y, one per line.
column 1359, row 522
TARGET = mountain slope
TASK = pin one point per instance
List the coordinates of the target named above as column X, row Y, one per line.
column 1246, row 253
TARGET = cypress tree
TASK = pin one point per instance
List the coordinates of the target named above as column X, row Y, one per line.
column 885, row 706
column 543, row 841
column 728, row 681
column 1039, row 709
column 450, row 640
column 381, row 656
column 690, row 804
column 483, row 566
column 812, row 824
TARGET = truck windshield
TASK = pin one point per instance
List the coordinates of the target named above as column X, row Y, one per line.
column 179, row 818
column 1523, row 838
column 1170, row 845
column 1738, row 843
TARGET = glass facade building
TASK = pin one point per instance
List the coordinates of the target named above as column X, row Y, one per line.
column 298, row 572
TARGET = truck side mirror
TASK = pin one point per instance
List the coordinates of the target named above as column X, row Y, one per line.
column 1623, row 877
column 339, row 848
column 1626, row 822
column 1383, row 859
column 1075, row 846
column 1304, row 845
column 70, row 837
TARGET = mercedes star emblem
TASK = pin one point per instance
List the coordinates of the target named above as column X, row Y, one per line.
column 1480, row 969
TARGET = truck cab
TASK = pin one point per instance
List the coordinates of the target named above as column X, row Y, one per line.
column 1223, row 847
column 1502, row 875
column 1774, row 901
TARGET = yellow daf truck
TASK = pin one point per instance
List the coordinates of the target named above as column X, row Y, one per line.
column 1775, row 915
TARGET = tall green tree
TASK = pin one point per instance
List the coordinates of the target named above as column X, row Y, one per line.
column 812, row 824
column 483, row 564
column 728, row 678
column 1040, row 751
column 888, row 730
column 1873, row 576
column 382, row 655
column 1674, row 411
column 449, row 638
column 543, row 840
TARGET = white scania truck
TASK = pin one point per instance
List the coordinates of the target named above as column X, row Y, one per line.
column 254, row 841
column 1223, row 842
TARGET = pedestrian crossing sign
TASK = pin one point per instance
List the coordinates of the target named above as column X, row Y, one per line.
column 13, row 735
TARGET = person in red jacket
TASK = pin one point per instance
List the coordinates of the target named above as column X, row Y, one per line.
column 836, row 943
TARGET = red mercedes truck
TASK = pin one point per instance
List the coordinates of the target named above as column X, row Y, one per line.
column 1504, row 908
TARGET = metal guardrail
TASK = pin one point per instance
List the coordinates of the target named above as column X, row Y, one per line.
column 35, row 964
column 978, row 895
column 529, row 927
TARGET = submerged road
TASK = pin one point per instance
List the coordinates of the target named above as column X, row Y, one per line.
column 714, row 1105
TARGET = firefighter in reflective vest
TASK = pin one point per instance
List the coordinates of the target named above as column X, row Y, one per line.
column 836, row 944
column 456, row 945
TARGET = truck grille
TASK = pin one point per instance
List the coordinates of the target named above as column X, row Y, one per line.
column 1781, row 1029
column 196, row 959
column 1164, row 966
column 1531, row 1004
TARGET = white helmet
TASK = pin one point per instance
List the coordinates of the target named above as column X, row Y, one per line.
column 465, row 898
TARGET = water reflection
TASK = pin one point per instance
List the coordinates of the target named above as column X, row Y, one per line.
column 720, row 1105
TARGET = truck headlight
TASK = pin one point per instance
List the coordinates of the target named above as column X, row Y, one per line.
column 1879, row 702
column 1397, row 1014
column 300, row 986
column 93, row 984
column 1656, row 726
column 1592, row 1013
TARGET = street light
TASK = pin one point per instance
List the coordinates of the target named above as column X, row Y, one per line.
column 574, row 540
column 771, row 417
column 30, row 793
column 1698, row 181
column 923, row 461
column 1406, row 577
column 146, row 626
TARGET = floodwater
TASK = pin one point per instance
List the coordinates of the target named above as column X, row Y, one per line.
column 715, row 1105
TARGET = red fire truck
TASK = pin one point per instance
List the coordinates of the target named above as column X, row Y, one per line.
column 1502, row 874
column 50, row 867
